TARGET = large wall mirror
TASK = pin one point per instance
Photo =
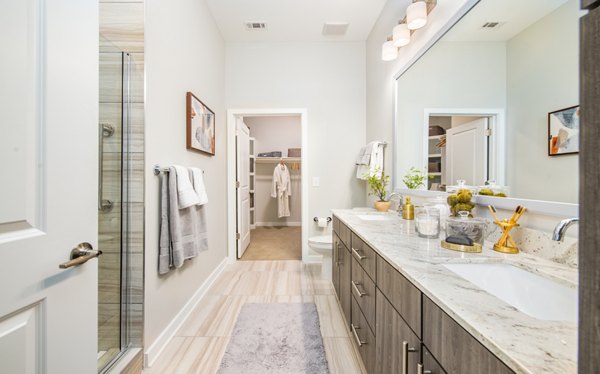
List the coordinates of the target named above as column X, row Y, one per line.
column 495, row 99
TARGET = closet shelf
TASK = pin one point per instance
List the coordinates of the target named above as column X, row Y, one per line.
column 274, row 160
column 436, row 137
column 435, row 174
column 434, row 155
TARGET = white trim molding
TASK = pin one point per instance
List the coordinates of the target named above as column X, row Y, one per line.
column 278, row 224
column 232, row 114
column 155, row 349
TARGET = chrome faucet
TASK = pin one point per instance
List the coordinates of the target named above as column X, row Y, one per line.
column 399, row 207
column 561, row 229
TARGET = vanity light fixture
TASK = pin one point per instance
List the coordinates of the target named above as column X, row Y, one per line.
column 401, row 34
column 389, row 51
column 416, row 15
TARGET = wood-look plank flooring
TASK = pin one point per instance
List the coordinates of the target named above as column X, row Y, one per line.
column 200, row 343
column 274, row 243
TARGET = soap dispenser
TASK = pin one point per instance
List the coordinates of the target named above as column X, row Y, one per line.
column 408, row 210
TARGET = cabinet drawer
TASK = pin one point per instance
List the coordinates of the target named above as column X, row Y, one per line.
column 363, row 338
column 396, row 345
column 430, row 364
column 403, row 296
column 365, row 255
column 345, row 234
column 453, row 347
column 363, row 290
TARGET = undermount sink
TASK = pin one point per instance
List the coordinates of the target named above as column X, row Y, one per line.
column 530, row 293
column 372, row 217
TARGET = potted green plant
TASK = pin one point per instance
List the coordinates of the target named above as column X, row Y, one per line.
column 414, row 179
column 378, row 182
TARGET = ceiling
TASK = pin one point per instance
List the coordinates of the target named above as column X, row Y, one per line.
column 515, row 16
column 294, row 20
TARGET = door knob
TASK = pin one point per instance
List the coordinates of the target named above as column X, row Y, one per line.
column 80, row 255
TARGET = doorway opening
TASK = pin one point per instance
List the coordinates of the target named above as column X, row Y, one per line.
column 268, row 204
column 464, row 145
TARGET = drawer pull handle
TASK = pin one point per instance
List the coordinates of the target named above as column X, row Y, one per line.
column 358, row 341
column 421, row 371
column 405, row 350
column 360, row 257
column 355, row 286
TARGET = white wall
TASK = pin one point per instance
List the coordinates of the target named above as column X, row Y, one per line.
column 543, row 76
column 184, row 52
column 463, row 80
column 329, row 80
column 275, row 133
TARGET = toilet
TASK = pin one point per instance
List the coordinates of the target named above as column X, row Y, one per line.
column 323, row 245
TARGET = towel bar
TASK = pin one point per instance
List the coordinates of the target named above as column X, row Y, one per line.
column 157, row 170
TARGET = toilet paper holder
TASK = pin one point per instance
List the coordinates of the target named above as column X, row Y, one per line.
column 316, row 219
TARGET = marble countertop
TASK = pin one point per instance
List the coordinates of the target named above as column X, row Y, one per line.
column 522, row 342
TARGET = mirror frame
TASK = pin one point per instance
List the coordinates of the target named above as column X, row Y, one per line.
column 552, row 208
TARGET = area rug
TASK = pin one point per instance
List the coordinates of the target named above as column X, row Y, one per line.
column 276, row 338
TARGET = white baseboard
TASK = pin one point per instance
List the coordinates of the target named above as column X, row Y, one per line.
column 155, row 349
column 278, row 224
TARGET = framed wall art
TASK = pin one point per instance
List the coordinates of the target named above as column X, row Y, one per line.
column 563, row 131
column 200, row 126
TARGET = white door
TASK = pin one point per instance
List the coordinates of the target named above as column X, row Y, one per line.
column 48, row 184
column 243, row 191
column 467, row 153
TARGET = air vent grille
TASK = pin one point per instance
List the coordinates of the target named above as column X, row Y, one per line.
column 335, row 29
column 256, row 26
column 492, row 25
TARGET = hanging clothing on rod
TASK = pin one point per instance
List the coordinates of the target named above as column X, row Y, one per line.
column 281, row 189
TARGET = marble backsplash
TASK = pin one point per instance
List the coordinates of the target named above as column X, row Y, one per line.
column 539, row 243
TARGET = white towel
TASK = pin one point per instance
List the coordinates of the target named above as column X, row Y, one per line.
column 186, row 196
column 198, row 179
column 374, row 153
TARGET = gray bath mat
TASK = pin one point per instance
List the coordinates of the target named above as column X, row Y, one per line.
column 276, row 338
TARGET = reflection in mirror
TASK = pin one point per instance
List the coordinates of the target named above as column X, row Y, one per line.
column 477, row 105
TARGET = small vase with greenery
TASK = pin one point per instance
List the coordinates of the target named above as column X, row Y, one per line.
column 414, row 179
column 378, row 182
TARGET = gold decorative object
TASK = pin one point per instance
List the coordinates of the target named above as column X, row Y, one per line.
column 506, row 244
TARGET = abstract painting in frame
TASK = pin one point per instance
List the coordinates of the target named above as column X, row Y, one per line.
column 563, row 131
column 200, row 126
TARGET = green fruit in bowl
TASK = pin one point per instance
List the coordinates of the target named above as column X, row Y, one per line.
column 486, row 192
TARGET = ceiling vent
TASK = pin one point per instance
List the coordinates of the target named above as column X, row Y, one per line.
column 335, row 29
column 492, row 25
column 256, row 26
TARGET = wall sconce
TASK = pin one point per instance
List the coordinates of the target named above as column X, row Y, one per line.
column 401, row 34
column 416, row 15
column 389, row 51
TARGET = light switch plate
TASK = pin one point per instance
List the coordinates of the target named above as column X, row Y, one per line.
column 316, row 182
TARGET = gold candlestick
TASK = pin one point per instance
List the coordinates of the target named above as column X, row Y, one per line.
column 506, row 244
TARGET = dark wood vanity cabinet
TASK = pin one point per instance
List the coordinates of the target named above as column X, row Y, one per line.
column 342, row 268
column 396, row 344
column 453, row 347
column 397, row 329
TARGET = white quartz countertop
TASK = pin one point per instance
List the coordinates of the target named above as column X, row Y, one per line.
column 523, row 343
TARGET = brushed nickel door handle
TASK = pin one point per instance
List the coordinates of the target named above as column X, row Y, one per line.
column 405, row 350
column 358, row 341
column 355, row 287
column 80, row 255
column 360, row 257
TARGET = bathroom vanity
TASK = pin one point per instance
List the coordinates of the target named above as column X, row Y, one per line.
column 409, row 313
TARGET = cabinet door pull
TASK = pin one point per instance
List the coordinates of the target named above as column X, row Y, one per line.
column 405, row 350
column 358, row 341
column 421, row 371
column 355, row 287
column 360, row 257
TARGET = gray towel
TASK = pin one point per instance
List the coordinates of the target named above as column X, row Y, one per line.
column 186, row 228
column 164, row 251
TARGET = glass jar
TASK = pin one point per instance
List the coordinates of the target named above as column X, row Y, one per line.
column 427, row 222
column 492, row 189
column 461, row 185
column 464, row 233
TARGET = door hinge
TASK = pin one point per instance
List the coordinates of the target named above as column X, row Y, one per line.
column 237, row 184
column 238, row 236
column 488, row 132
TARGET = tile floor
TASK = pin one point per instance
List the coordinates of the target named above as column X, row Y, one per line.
column 201, row 342
column 274, row 243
